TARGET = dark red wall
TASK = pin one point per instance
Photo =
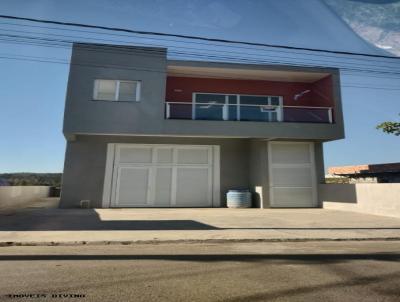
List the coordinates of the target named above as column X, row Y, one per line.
column 322, row 92
column 180, row 89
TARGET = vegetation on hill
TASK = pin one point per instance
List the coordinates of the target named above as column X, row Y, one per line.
column 337, row 180
column 32, row 179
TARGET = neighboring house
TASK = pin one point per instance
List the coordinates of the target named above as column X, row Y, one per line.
column 376, row 173
column 145, row 131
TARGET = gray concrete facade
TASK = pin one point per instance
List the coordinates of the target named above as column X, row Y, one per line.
column 83, row 115
column 91, row 62
column 89, row 125
column 85, row 162
column 243, row 164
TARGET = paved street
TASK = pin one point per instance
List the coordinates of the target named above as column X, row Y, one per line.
column 303, row 271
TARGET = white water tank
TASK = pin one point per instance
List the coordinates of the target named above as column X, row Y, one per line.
column 238, row 199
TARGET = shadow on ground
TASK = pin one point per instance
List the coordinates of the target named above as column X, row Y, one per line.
column 89, row 220
column 291, row 258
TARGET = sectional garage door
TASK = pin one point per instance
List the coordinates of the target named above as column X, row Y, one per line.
column 292, row 174
column 162, row 176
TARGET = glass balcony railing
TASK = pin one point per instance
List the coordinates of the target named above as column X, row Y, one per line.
column 242, row 112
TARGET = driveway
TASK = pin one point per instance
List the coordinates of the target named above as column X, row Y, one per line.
column 72, row 226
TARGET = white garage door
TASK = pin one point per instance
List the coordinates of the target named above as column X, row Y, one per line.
column 292, row 174
column 162, row 176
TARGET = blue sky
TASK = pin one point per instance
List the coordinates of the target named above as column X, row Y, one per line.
column 32, row 94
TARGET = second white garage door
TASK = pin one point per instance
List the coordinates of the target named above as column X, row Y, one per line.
column 163, row 176
column 292, row 174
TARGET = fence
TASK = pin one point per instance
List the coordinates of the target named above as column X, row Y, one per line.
column 20, row 196
column 371, row 198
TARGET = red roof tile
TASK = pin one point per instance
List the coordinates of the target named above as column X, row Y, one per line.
column 367, row 169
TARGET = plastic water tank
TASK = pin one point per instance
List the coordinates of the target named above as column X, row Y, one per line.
column 238, row 199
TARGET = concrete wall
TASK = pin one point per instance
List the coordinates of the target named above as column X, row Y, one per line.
column 243, row 164
column 377, row 199
column 258, row 176
column 20, row 196
column 83, row 115
column 91, row 62
column 85, row 161
column 319, row 168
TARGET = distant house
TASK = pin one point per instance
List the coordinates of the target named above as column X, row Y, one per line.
column 376, row 173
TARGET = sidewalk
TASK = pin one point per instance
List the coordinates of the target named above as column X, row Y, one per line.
column 125, row 226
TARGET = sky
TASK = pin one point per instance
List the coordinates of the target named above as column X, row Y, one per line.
column 32, row 93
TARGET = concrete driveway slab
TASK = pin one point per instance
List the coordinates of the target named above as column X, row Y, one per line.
column 91, row 226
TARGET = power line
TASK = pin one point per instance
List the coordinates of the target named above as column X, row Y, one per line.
column 64, row 62
column 255, row 56
column 140, row 32
column 188, row 42
column 191, row 54
column 255, row 60
column 126, row 50
column 63, row 46
column 370, row 87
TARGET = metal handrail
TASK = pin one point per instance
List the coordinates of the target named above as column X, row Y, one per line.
column 249, row 105
column 220, row 104
column 277, row 108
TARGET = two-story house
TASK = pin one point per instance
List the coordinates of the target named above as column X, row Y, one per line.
column 146, row 131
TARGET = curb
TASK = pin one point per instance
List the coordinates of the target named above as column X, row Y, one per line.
column 188, row 241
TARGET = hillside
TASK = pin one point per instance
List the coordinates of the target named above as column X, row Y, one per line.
column 32, row 179
column 379, row 24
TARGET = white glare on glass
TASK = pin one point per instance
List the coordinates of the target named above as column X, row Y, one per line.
column 127, row 91
column 106, row 90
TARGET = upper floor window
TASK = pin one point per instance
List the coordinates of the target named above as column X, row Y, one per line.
column 234, row 107
column 117, row 90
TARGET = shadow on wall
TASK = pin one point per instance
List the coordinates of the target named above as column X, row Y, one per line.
column 343, row 193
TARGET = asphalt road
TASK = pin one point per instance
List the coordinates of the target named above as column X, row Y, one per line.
column 313, row 271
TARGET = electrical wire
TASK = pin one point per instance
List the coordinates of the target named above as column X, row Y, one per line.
column 191, row 37
column 258, row 49
column 189, row 48
column 61, row 61
column 125, row 49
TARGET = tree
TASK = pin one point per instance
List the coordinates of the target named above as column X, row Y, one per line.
column 390, row 127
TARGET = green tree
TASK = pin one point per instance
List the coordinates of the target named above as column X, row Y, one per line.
column 390, row 127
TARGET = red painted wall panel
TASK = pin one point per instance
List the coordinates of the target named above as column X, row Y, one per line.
column 322, row 92
column 180, row 89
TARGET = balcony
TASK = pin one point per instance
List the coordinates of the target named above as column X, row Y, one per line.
column 271, row 112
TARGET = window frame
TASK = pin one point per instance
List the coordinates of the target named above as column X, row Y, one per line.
column 116, row 93
column 238, row 103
